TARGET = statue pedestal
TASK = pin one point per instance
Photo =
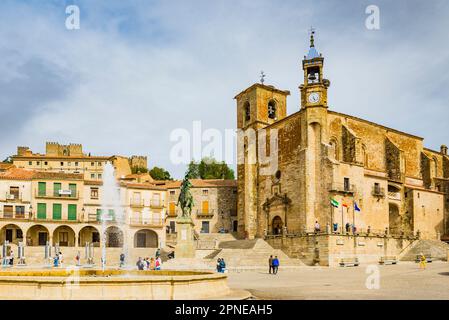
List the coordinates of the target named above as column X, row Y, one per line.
column 185, row 246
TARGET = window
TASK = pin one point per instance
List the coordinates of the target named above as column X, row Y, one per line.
column 205, row 207
column 14, row 192
column 92, row 175
column 205, row 227
column 20, row 212
column 38, row 163
column 156, row 201
column 377, row 188
column 56, row 189
column 72, row 188
column 57, row 211
column 205, row 192
column 7, row 211
column 172, row 226
column 63, row 239
column 99, row 176
column 347, row 186
column 42, row 211
column 76, row 164
column 247, row 111
column 19, row 234
column 172, row 192
column 62, row 164
column 92, row 164
column 71, row 212
column 272, row 110
column 94, row 193
column 30, row 163
column 69, row 163
column 46, row 163
column 42, row 189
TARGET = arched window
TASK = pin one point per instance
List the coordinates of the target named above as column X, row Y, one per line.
column 272, row 110
column 247, row 111
column 333, row 150
column 364, row 156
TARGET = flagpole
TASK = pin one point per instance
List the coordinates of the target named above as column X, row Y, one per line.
column 342, row 222
column 353, row 217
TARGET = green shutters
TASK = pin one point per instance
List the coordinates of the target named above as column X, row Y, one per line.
column 99, row 214
column 72, row 212
column 42, row 211
column 42, row 189
column 57, row 211
column 111, row 214
column 56, row 188
column 72, row 188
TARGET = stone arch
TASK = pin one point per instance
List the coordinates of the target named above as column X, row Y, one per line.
column 89, row 234
column 114, row 237
column 277, row 225
column 394, row 218
column 64, row 236
column 37, row 235
column 11, row 232
column 146, row 238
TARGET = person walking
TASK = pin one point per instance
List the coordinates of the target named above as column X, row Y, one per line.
column 347, row 226
column 270, row 264
column 222, row 265
column 218, row 266
column 422, row 261
column 275, row 265
column 122, row 259
column 60, row 258
column 11, row 258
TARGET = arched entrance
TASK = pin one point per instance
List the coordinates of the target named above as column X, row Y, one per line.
column 37, row 235
column 64, row 236
column 89, row 234
column 11, row 233
column 276, row 225
column 145, row 238
column 394, row 218
column 114, row 237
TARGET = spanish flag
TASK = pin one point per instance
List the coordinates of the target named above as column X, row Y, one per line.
column 345, row 205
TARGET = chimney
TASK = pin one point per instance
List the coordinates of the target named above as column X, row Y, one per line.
column 443, row 150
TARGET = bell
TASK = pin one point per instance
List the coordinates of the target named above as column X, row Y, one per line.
column 312, row 77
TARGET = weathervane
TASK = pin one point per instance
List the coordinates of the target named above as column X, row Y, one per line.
column 312, row 32
column 262, row 77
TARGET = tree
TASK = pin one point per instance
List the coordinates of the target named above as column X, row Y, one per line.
column 8, row 160
column 209, row 168
column 158, row 173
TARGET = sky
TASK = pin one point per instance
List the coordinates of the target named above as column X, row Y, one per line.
column 137, row 70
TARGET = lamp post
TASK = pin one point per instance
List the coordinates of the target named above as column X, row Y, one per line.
column 30, row 212
column 83, row 210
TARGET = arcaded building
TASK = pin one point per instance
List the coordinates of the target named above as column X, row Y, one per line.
column 399, row 185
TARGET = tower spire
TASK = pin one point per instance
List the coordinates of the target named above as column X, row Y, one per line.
column 312, row 32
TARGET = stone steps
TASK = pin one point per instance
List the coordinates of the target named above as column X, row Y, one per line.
column 437, row 249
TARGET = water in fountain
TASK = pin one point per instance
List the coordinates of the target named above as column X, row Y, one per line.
column 111, row 204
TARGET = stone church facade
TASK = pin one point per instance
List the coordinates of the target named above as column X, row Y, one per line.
column 400, row 186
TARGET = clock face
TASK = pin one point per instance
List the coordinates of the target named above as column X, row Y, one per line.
column 314, row 97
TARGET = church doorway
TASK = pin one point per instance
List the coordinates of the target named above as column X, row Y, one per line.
column 276, row 225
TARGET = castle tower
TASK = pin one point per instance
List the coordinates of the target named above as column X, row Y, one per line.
column 257, row 107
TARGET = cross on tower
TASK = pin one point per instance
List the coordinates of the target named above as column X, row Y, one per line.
column 312, row 32
column 262, row 77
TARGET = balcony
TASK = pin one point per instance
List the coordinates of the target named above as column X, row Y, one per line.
column 172, row 214
column 135, row 203
column 13, row 197
column 342, row 188
column 378, row 192
column 203, row 214
column 156, row 205
column 14, row 215
column 146, row 222
column 394, row 195
column 58, row 194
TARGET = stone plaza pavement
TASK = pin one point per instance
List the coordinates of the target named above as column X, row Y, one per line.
column 402, row 281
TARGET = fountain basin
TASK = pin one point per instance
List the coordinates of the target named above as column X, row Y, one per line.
column 95, row 284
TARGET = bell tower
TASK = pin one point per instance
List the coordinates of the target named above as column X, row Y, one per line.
column 314, row 88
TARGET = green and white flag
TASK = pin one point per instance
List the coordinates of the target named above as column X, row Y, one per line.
column 334, row 203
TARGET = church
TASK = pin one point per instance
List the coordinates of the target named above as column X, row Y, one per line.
column 335, row 172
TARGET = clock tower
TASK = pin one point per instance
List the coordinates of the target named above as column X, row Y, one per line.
column 314, row 88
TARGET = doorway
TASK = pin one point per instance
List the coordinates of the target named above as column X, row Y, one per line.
column 42, row 238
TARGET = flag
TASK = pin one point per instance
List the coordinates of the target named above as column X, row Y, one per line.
column 345, row 205
column 334, row 203
column 356, row 207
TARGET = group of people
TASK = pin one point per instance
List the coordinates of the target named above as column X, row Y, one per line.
column 149, row 263
column 348, row 227
column 221, row 265
column 273, row 264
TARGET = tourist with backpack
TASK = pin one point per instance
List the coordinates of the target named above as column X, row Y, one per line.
column 275, row 265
